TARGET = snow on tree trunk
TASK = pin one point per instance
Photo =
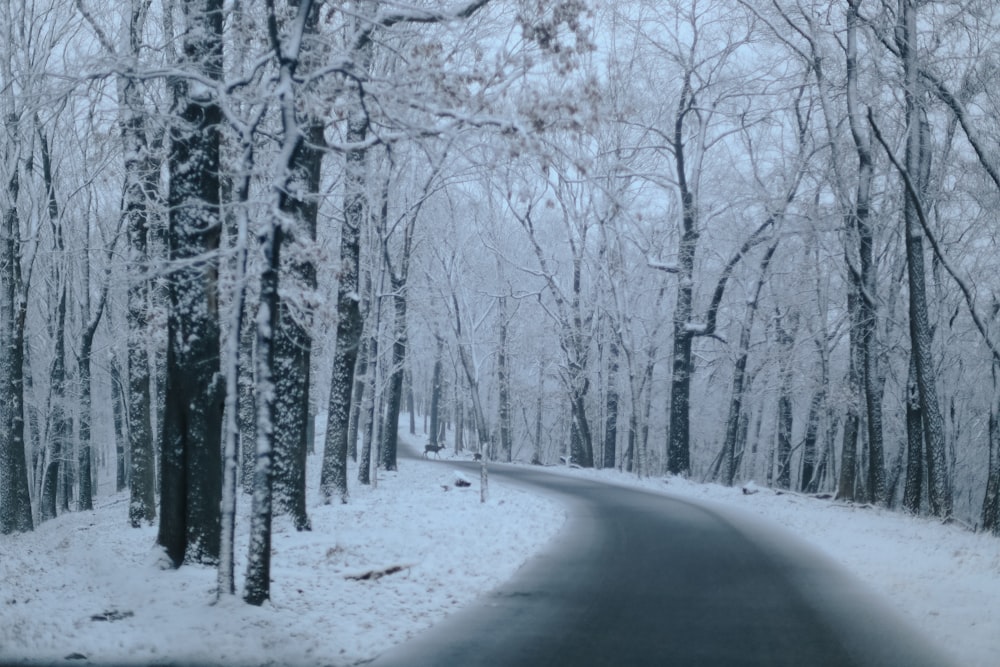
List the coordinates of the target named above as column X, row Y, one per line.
column 15, row 496
column 257, row 585
column 917, row 154
column 333, row 476
column 191, row 458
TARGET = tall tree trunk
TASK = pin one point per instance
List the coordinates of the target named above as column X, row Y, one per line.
column 847, row 483
column 60, row 427
column 394, row 400
column 786, row 344
column 611, row 400
column 299, row 202
column 411, row 408
column 138, row 192
column 257, row 587
column 436, row 394
column 917, row 157
column 503, row 385
column 191, row 457
column 333, row 475
column 991, row 501
column 682, row 368
column 120, row 431
column 293, row 342
column 248, row 397
column 15, row 496
column 729, row 465
column 913, row 488
column 867, row 304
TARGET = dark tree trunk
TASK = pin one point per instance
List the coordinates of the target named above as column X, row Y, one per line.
column 610, row 457
column 15, row 495
column 138, row 192
column 786, row 343
column 503, row 386
column 991, row 501
column 394, row 399
column 121, row 433
column 678, row 438
column 847, row 484
column 53, row 498
column 917, row 163
column 808, row 478
column 257, row 587
column 459, row 423
column 913, row 488
column 191, row 457
column 333, row 476
column 729, row 464
column 867, row 304
column 411, row 407
column 436, row 395
column 293, row 342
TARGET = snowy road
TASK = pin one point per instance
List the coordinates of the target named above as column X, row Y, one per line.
column 642, row 579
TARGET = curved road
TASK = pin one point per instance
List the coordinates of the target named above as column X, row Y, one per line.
column 642, row 579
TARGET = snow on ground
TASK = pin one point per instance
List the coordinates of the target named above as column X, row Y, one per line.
column 87, row 584
column 943, row 578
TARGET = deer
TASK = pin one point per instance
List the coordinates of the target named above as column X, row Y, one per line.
column 432, row 449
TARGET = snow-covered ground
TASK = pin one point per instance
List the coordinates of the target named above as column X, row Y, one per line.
column 86, row 584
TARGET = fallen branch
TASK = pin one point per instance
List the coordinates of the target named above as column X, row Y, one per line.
column 374, row 575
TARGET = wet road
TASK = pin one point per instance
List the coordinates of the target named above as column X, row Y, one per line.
column 642, row 579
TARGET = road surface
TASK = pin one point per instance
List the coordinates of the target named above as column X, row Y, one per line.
column 637, row 579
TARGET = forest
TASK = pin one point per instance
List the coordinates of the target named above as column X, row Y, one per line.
column 729, row 240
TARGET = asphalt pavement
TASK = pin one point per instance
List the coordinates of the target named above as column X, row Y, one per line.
column 637, row 578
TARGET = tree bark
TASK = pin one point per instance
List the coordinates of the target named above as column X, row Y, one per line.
column 15, row 496
column 917, row 155
column 299, row 201
column 867, row 305
column 503, row 385
column 333, row 475
column 257, row 587
column 191, row 458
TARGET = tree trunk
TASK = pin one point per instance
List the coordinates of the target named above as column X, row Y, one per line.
column 191, row 457
column 435, row 395
column 867, row 304
column 411, row 408
column 678, row 438
column 847, row 484
column 917, row 159
column 293, row 343
column 503, row 385
column 120, row 431
column 394, row 400
column 991, row 501
column 60, row 427
column 15, row 496
column 257, row 587
column 786, row 344
column 247, row 397
column 610, row 457
column 913, row 488
column 333, row 475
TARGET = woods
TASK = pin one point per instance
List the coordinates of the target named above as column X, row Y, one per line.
column 730, row 240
